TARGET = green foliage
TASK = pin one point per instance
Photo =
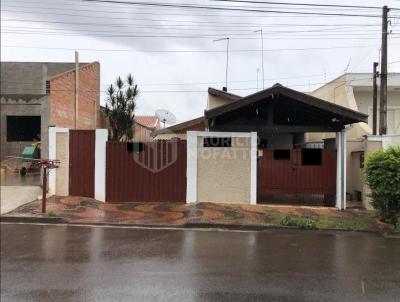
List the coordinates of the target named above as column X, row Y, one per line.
column 51, row 213
column 305, row 223
column 287, row 221
column 383, row 177
column 120, row 107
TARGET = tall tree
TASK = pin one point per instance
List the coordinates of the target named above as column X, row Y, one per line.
column 120, row 107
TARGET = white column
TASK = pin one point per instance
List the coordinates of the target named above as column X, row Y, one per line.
column 344, row 169
column 341, row 170
column 100, row 165
column 253, row 171
column 191, row 167
column 52, row 155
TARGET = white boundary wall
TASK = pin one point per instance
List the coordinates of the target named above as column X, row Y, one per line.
column 192, row 162
column 100, row 161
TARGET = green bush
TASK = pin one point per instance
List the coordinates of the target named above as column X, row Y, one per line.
column 306, row 223
column 50, row 213
column 302, row 223
column 383, row 177
column 287, row 221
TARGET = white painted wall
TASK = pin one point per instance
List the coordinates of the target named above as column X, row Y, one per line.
column 100, row 165
column 52, row 155
column 193, row 166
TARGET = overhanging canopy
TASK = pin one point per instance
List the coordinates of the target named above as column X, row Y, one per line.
column 281, row 109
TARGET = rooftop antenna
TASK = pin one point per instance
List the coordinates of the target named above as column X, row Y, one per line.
column 227, row 59
column 165, row 116
column 262, row 54
column 348, row 65
column 258, row 70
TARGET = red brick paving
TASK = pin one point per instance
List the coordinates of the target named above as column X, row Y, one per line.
column 86, row 210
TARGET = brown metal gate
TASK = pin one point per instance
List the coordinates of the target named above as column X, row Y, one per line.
column 147, row 172
column 289, row 178
column 81, row 162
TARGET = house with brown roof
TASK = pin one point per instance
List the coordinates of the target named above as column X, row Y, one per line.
column 253, row 149
column 144, row 126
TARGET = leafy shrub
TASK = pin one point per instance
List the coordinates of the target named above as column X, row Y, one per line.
column 50, row 213
column 383, row 177
column 287, row 221
column 306, row 223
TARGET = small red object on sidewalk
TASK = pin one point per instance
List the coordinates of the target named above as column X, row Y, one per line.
column 47, row 164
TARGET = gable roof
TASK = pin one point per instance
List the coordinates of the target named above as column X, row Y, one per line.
column 278, row 89
column 181, row 127
column 223, row 94
column 148, row 121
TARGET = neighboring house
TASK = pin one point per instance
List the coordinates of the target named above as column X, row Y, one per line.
column 355, row 91
column 179, row 130
column 36, row 95
column 144, row 126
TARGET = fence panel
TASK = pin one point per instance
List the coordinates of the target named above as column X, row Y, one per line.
column 81, row 162
column 154, row 171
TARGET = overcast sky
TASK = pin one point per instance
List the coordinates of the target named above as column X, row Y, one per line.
column 301, row 51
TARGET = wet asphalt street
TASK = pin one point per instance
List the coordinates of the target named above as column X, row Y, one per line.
column 71, row 263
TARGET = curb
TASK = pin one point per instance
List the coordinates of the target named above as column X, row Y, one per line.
column 20, row 219
column 189, row 225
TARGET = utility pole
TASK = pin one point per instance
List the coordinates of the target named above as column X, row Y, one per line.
column 375, row 100
column 262, row 54
column 76, row 88
column 227, row 60
column 383, row 75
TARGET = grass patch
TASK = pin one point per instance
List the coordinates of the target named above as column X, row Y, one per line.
column 89, row 202
column 305, row 223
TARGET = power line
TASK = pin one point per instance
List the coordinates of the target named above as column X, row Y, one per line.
column 190, row 51
column 241, row 24
column 205, row 33
column 183, row 91
column 188, row 36
column 248, row 31
column 300, row 4
column 192, row 6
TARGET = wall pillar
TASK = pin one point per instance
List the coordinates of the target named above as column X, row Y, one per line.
column 191, row 167
column 341, row 170
column 100, row 164
column 53, row 155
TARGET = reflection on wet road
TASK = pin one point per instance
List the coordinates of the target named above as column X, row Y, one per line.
column 71, row 263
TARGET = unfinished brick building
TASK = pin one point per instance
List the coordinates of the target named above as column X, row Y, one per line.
column 36, row 95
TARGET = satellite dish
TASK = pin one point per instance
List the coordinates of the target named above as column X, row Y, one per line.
column 165, row 116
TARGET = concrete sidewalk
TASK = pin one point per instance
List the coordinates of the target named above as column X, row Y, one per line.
column 82, row 210
column 13, row 197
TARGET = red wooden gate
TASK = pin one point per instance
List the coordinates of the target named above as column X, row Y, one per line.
column 297, row 175
column 153, row 171
column 81, row 162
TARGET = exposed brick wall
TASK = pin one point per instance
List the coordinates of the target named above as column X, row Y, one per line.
column 62, row 97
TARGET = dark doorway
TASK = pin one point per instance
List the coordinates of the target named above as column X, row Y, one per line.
column 23, row 128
